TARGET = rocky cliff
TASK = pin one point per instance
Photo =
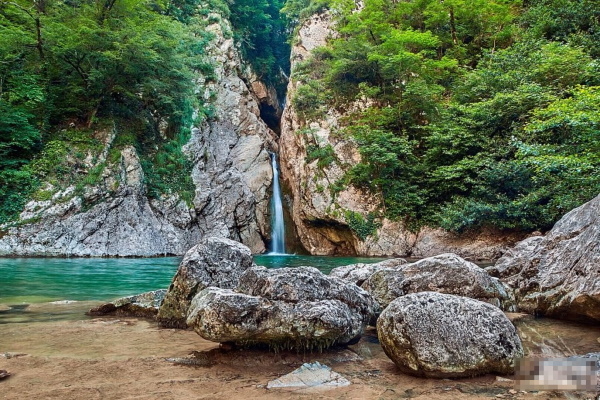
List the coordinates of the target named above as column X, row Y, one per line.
column 115, row 217
column 329, row 219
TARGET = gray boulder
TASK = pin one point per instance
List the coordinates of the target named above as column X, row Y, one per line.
column 445, row 273
column 297, row 308
column 437, row 335
column 143, row 305
column 217, row 262
column 558, row 275
column 359, row 273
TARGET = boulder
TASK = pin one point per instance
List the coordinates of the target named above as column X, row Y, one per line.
column 437, row 335
column 558, row 275
column 143, row 305
column 296, row 308
column 359, row 273
column 445, row 273
column 216, row 262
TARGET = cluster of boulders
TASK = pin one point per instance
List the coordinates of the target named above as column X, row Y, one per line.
column 440, row 317
column 220, row 293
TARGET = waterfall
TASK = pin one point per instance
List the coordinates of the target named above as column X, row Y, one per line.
column 277, row 224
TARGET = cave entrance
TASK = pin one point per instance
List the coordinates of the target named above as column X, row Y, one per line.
column 272, row 117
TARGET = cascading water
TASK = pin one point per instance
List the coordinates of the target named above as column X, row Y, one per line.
column 277, row 224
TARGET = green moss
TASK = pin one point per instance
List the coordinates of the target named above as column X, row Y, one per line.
column 363, row 227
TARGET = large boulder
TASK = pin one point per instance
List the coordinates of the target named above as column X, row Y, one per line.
column 558, row 275
column 215, row 261
column 359, row 273
column 445, row 273
column 437, row 335
column 297, row 308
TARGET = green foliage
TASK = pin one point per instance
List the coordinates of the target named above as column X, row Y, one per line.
column 83, row 62
column 324, row 154
column 467, row 113
column 574, row 22
column 261, row 30
column 363, row 227
column 168, row 171
column 296, row 11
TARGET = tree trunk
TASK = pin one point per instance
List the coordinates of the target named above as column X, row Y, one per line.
column 453, row 26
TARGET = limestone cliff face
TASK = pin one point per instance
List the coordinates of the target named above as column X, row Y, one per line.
column 231, row 172
column 321, row 212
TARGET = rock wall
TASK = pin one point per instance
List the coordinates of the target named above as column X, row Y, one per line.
column 320, row 213
column 231, row 172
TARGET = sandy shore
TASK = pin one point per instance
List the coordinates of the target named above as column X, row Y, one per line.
column 109, row 358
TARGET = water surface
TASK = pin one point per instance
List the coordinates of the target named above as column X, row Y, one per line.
column 44, row 280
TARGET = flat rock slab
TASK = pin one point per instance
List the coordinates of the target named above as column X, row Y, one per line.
column 310, row 377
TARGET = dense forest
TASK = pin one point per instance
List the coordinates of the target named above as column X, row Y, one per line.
column 467, row 113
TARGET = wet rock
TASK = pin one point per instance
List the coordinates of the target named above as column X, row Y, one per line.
column 216, row 262
column 296, row 308
column 359, row 273
column 310, row 376
column 445, row 273
column 558, row 275
column 437, row 335
column 143, row 305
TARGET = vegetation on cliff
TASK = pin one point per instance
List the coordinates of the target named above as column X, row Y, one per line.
column 70, row 67
column 467, row 113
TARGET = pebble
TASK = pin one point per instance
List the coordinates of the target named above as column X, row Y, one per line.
column 4, row 374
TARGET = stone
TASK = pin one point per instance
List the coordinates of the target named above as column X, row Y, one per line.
column 143, row 305
column 4, row 374
column 558, row 275
column 216, row 262
column 437, row 335
column 288, row 308
column 359, row 273
column 445, row 273
column 310, row 376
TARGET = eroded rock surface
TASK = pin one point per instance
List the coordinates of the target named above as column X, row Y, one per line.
column 311, row 377
column 215, row 261
column 360, row 273
column 558, row 275
column 144, row 305
column 438, row 335
column 445, row 273
column 297, row 308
